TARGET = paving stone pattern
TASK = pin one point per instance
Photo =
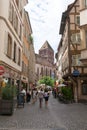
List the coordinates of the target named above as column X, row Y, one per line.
column 56, row 116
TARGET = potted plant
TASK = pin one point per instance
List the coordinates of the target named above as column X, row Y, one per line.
column 7, row 100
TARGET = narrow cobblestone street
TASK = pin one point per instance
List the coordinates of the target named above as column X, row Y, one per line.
column 56, row 116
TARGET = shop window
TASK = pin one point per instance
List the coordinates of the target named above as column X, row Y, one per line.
column 84, row 88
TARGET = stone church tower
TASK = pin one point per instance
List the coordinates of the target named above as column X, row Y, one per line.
column 47, row 52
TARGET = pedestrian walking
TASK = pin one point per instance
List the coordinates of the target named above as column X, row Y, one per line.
column 40, row 95
column 32, row 93
column 34, row 96
column 28, row 96
column 46, row 97
column 23, row 91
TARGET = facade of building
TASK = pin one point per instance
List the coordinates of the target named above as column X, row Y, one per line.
column 27, row 31
column 44, row 68
column 32, row 64
column 83, row 32
column 47, row 52
column 58, row 57
column 11, row 24
column 15, row 30
column 73, row 47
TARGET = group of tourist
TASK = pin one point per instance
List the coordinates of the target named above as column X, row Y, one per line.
column 31, row 96
column 43, row 94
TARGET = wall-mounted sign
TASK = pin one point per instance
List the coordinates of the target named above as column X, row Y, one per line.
column 2, row 70
column 76, row 73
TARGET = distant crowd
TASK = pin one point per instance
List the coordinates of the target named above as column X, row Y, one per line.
column 32, row 95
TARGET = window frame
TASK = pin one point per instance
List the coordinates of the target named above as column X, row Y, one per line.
column 14, row 52
column 86, row 38
column 9, row 46
column 84, row 88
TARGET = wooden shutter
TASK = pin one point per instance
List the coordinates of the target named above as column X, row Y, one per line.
column 5, row 42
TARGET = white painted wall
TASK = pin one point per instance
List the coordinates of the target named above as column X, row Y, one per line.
column 4, row 29
column 83, row 17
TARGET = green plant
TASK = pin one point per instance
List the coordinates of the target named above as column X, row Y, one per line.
column 31, row 39
column 47, row 81
column 67, row 93
column 9, row 92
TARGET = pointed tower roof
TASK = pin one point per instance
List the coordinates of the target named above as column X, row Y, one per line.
column 46, row 45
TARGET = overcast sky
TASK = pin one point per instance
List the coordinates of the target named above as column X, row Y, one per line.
column 45, row 18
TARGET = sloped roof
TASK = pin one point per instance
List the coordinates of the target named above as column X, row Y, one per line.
column 65, row 15
column 46, row 45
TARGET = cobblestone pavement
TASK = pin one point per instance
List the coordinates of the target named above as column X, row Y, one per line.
column 56, row 116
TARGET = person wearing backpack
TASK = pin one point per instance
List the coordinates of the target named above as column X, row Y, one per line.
column 46, row 97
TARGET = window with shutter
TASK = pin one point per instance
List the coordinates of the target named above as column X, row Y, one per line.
column 9, row 46
column 76, row 60
column 14, row 52
column 5, row 42
column 20, row 32
column 19, row 56
column 86, row 38
column 75, row 38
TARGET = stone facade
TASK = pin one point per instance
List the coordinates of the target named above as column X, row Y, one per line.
column 47, row 52
column 32, row 63
column 45, row 62
column 11, row 30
